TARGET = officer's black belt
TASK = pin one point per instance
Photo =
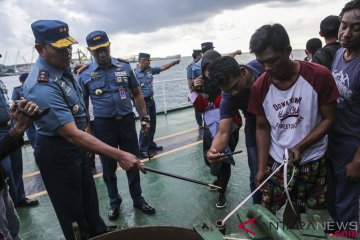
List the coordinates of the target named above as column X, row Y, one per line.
column 149, row 98
column 114, row 118
column 5, row 123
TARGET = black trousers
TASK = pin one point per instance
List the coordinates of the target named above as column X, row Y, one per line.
column 224, row 173
column 121, row 134
column 148, row 140
column 67, row 175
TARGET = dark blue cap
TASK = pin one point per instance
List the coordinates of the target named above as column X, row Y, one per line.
column 254, row 67
column 53, row 32
column 97, row 39
column 206, row 46
column 144, row 55
column 23, row 77
column 196, row 53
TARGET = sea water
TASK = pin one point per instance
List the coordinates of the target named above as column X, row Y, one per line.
column 170, row 86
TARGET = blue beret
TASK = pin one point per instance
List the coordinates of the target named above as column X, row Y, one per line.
column 144, row 55
column 254, row 67
column 23, row 77
column 97, row 39
column 53, row 32
column 206, row 46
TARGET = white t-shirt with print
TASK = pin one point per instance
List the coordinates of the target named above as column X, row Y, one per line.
column 293, row 113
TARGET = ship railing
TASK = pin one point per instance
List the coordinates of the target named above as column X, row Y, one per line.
column 171, row 94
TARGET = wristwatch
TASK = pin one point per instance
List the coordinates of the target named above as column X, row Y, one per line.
column 145, row 119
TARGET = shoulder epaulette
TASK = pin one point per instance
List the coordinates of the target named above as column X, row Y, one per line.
column 83, row 68
column 123, row 60
column 43, row 76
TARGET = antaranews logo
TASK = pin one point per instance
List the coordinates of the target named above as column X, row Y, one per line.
column 340, row 230
column 241, row 226
column 252, row 225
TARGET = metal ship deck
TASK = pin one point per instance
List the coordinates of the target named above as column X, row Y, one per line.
column 178, row 203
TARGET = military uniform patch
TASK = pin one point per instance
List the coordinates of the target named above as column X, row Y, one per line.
column 149, row 74
column 80, row 70
column 67, row 90
column 119, row 79
column 43, row 76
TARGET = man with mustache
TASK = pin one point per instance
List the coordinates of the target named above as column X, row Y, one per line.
column 295, row 106
column 61, row 143
column 344, row 139
column 235, row 81
column 110, row 83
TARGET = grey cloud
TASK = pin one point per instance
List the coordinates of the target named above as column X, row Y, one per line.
column 150, row 15
column 128, row 16
column 6, row 31
column 119, row 16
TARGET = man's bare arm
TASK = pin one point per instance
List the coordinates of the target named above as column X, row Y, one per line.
column 263, row 144
column 328, row 117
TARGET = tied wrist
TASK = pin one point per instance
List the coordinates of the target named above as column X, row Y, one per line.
column 145, row 119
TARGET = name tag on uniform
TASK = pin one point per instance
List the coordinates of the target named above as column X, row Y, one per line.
column 122, row 93
column 120, row 74
column 94, row 78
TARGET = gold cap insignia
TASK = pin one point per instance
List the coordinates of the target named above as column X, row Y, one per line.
column 64, row 29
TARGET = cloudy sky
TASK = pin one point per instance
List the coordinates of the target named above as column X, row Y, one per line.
column 161, row 27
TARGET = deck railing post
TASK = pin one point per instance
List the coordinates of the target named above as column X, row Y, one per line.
column 164, row 97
